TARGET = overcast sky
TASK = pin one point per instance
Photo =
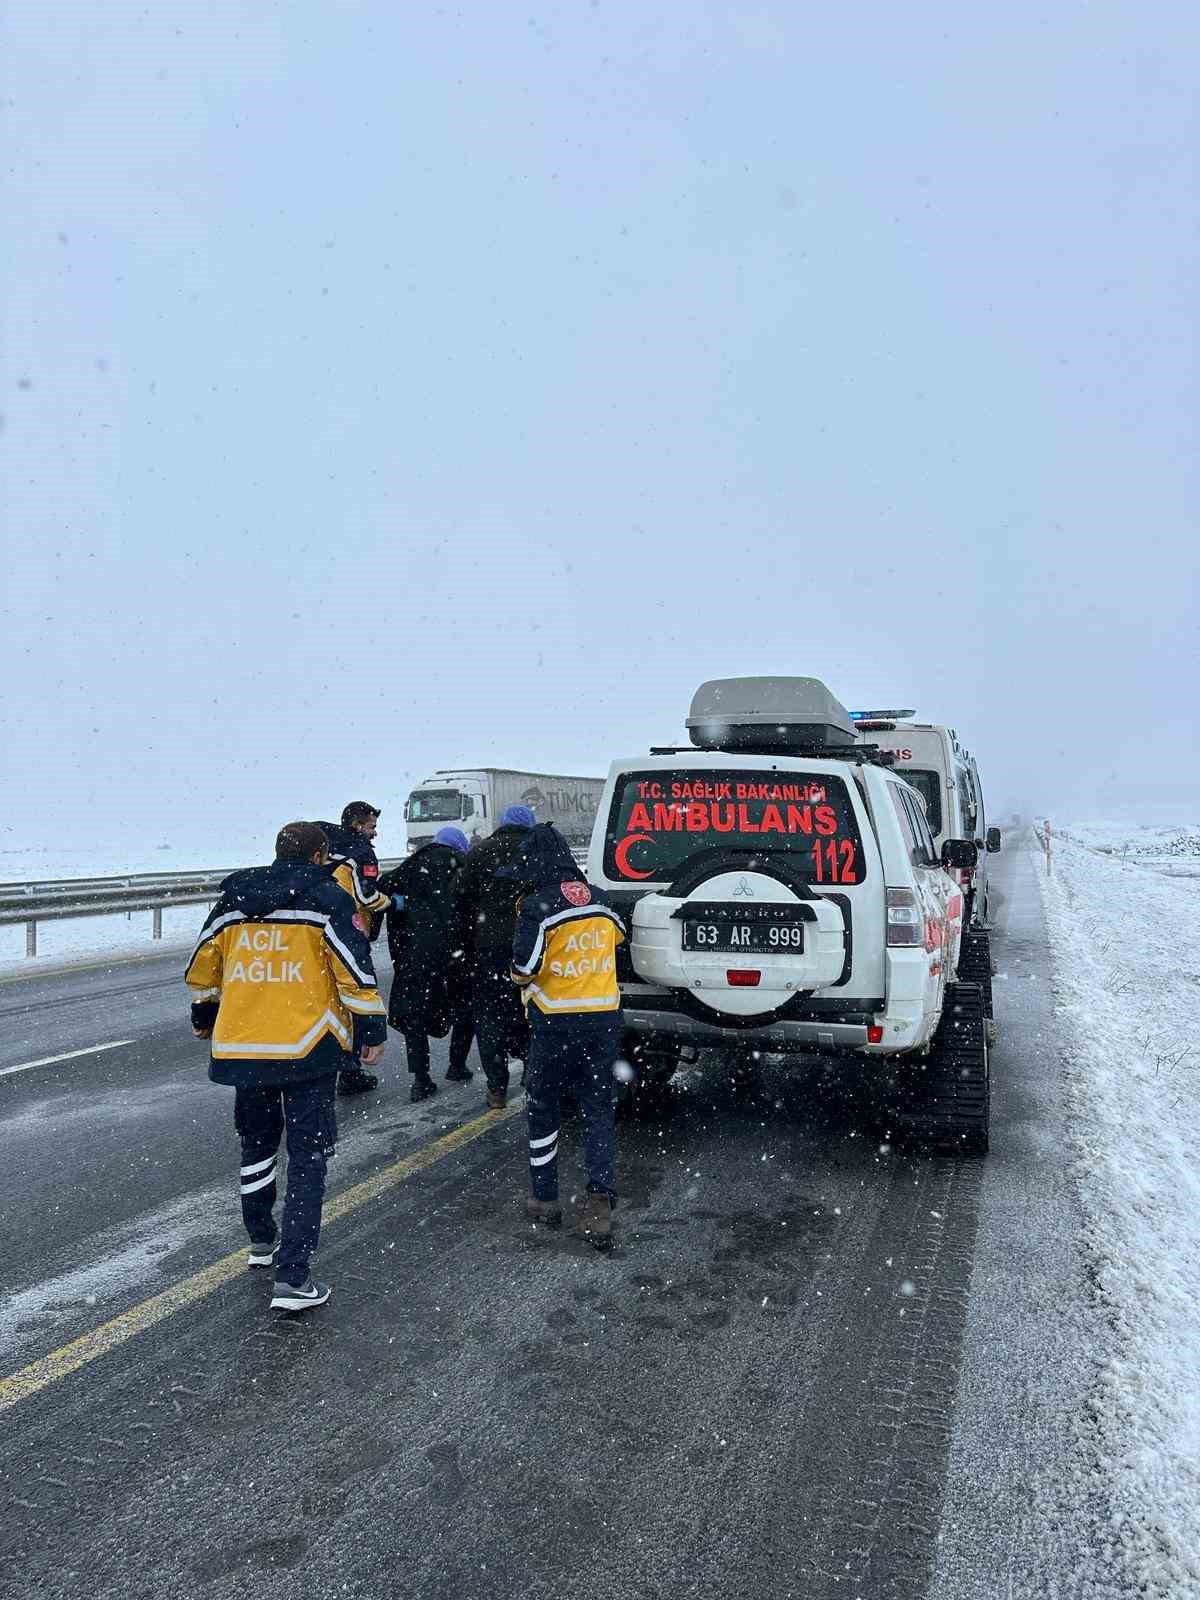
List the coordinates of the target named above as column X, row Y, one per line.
column 394, row 386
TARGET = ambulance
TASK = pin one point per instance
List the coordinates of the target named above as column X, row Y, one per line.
column 784, row 894
column 946, row 776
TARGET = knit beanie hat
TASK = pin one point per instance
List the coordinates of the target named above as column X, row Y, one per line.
column 454, row 837
column 518, row 817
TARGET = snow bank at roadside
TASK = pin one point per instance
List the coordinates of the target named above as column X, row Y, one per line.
column 1149, row 846
column 1127, row 980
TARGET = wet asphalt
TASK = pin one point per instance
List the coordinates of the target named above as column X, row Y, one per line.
column 756, row 1392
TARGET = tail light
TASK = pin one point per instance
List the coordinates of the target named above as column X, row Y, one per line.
column 743, row 978
column 905, row 919
column 874, row 1033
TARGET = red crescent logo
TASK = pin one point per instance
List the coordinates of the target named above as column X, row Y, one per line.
column 621, row 855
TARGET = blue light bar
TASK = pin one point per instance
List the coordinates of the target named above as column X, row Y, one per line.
column 878, row 716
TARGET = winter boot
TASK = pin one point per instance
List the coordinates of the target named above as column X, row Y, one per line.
column 356, row 1081
column 459, row 1075
column 594, row 1222
column 497, row 1099
column 422, row 1088
column 547, row 1211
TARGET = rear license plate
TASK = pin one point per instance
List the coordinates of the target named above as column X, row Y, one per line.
column 761, row 938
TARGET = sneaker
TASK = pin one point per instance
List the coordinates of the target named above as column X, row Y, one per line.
column 356, row 1081
column 594, row 1222
column 459, row 1075
column 261, row 1255
column 497, row 1099
column 421, row 1090
column 290, row 1298
column 547, row 1211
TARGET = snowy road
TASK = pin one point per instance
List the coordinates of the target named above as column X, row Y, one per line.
column 812, row 1368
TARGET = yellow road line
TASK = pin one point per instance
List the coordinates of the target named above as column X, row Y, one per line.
column 70, row 1357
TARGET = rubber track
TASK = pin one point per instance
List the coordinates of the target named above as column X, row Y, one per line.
column 944, row 1099
column 975, row 964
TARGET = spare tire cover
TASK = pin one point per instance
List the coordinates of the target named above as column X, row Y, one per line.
column 727, row 896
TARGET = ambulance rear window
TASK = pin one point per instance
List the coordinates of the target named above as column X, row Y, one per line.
column 662, row 820
column 929, row 786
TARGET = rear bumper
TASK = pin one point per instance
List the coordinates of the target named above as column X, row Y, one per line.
column 817, row 1035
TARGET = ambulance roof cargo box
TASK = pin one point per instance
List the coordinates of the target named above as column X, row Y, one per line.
column 768, row 714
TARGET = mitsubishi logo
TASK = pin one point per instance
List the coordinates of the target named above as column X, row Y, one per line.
column 743, row 888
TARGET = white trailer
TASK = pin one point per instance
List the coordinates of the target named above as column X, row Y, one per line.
column 475, row 798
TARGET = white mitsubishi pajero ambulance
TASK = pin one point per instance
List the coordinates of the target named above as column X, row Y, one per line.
column 783, row 894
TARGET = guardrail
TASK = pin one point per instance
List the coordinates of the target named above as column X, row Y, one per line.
column 55, row 899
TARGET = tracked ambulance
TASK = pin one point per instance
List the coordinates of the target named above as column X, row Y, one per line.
column 933, row 759
column 784, row 894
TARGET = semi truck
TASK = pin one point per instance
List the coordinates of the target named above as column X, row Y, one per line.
column 475, row 798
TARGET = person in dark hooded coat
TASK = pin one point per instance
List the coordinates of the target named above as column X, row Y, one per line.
column 422, row 937
column 488, row 917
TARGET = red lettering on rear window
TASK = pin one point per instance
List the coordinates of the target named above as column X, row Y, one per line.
column 734, row 813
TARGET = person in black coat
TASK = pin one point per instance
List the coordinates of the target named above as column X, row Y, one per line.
column 423, row 937
column 487, row 905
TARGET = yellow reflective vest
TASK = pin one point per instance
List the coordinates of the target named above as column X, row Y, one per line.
column 282, row 975
column 565, row 951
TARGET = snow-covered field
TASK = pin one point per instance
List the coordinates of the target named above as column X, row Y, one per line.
column 1174, row 851
column 1126, row 945
column 47, row 863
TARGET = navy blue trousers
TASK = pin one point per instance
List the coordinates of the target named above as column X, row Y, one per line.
column 575, row 1055
column 306, row 1110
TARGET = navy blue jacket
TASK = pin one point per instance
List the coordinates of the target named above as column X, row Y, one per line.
column 565, row 944
column 282, row 976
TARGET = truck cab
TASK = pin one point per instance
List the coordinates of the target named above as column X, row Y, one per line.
column 448, row 798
